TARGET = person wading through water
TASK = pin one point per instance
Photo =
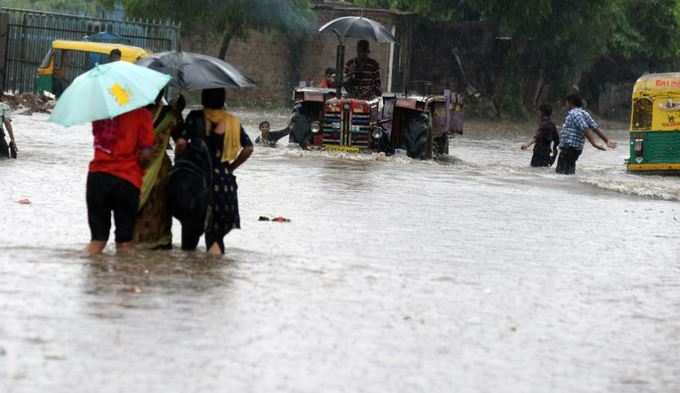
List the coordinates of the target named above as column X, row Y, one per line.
column 268, row 137
column 153, row 227
column 123, row 147
column 6, row 150
column 577, row 123
column 545, row 141
column 363, row 74
column 229, row 148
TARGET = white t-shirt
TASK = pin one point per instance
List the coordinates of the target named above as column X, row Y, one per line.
column 5, row 112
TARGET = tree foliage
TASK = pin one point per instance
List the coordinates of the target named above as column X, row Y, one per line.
column 561, row 39
column 85, row 7
column 227, row 18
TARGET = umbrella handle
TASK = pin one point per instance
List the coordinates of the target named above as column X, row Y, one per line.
column 340, row 64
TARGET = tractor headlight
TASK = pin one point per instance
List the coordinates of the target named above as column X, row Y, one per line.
column 377, row 133
column 316, row 127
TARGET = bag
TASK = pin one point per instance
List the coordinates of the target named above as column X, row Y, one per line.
column 190, row 182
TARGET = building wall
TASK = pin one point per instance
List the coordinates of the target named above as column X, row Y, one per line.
column 435, row 64
column 277, row 64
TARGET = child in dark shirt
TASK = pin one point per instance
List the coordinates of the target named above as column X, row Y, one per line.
column 546, row 140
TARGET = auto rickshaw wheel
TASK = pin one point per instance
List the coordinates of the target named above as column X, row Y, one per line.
column 416, row 136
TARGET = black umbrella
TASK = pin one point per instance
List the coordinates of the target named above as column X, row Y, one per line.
column 193, row 71
column 354, row 27
column 360, row 28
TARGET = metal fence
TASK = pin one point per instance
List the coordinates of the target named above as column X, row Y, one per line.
column 30, row 35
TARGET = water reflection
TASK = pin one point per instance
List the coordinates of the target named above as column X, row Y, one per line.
column 471, row 274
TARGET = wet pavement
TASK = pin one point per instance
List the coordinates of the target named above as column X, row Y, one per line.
column 473, row 274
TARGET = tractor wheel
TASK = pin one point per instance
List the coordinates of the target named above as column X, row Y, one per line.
column 301, row 129
column 441, row 145
column 416, row 136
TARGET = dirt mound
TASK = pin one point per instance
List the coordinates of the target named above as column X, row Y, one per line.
column 30, row 102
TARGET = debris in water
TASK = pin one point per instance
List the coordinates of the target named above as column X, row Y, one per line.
column 280, row 219
column 31, row 102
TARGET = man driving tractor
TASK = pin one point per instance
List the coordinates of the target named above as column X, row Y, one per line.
column 363, row 74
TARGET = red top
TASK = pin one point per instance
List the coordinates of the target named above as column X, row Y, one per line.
column 326, row 84
column 117, row 143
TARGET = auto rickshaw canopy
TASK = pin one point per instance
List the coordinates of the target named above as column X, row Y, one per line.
column 128, row 53
column 657, row 85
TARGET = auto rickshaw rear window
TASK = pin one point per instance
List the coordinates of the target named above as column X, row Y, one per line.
column 642, row 113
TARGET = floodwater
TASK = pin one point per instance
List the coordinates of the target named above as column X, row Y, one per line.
column 474, row 274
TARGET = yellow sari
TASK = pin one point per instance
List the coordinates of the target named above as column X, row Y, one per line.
column 153, row 225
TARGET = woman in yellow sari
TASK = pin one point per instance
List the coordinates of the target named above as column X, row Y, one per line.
column 154, row 222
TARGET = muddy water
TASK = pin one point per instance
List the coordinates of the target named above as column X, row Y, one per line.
column 475, row 274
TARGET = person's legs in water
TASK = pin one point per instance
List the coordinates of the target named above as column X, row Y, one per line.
column 566, row 162
column 541, row 157
column 125, row 205
column 574, row 155
column 98, row 212
column 214, row 244
column 562, row 163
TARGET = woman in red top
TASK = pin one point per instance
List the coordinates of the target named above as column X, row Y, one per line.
column 122, row 147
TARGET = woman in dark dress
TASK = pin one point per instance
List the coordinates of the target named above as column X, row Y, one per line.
column 546, row 140
column 229, row 147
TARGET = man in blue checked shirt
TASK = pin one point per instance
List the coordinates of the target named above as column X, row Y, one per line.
column 575, row 130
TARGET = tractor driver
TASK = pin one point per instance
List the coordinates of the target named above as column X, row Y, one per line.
column 363, row 74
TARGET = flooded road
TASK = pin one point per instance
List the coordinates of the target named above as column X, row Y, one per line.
column 476, row 274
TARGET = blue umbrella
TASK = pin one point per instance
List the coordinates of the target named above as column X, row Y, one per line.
column 107, row 91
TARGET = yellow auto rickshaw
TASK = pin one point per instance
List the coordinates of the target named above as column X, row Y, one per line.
column 655, row 125
column 67, row 59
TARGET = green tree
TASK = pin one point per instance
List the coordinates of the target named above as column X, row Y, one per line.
column 555, row 41
column 86, row 7
column 228, row 18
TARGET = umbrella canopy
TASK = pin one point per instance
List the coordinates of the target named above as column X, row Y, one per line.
column 106, row 37
column 193, row 71
column 107, row 91
column 360, row 28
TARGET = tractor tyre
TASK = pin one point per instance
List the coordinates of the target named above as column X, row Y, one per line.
column 441, row 145
column 416, row 136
